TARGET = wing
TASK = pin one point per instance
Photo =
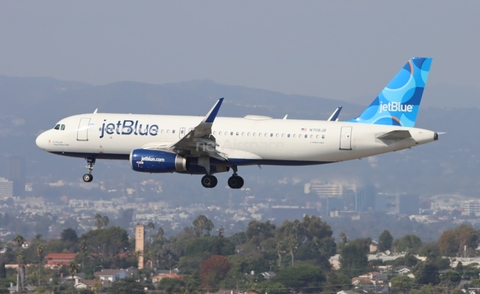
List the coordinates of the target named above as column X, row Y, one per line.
column 199, row 141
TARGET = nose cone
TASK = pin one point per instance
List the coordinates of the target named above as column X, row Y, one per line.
column 42, row 141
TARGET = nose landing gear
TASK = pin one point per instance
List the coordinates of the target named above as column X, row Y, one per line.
column 88, row 177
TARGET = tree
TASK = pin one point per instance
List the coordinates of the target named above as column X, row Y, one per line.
column 300, row 277
column 126, row 285
column 169, row 285
column 202, row 226
column 72, row 268
column 213, row 270
column 450, row 279
column 98, row 221
column 83, row 249
column 21, row 268
column 385, row 241
column 18, row 240
column 150, row 227
column 402, row 284
column 105, row 221
column 353, row 257
column 281, row 250
column 426, row 272
column 39, row 250
column 407, row 243
column 454, row 242
column 69, row 235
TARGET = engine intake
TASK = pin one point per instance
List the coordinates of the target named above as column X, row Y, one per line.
column 156, row 161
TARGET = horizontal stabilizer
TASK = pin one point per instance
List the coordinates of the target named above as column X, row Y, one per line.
column 395, row 135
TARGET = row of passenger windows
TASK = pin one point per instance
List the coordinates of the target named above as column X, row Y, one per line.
column 259, row 134
column 253, row 134
column 59, row 127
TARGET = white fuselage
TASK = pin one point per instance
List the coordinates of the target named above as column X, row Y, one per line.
column 249, row 140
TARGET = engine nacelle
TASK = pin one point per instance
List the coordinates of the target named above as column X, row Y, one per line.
column 156, row 161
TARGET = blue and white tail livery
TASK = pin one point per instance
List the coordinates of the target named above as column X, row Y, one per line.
column 211, row 145
column 399, row 101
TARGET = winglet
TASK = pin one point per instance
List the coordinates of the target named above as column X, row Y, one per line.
column 210, row 117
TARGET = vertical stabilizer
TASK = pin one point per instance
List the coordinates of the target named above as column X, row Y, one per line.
column 399, row 101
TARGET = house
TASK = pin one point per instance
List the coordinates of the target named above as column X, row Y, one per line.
column 59, row 259
column 111, row 274
column 168, row 275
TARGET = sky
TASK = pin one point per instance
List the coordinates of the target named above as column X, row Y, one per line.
column 334, row 49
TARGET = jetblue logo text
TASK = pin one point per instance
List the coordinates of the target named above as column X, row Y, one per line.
column 128, row 127
column 394, row 107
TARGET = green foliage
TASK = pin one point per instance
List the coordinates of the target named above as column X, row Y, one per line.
column 426, row 272
column 408, row 260
column 385, row 241
column 202, row 226
column 126, row 286
column 106, row 243
column 302, row 277
column 402, row 284
column 171, row 285
column 209, row 245
column 353, row 258
column 271, row 288
column 69, row 235
column 431, row 289
column 408, row 243
column 450, row 279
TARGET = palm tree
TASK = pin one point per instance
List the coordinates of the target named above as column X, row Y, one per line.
column 280, row 251
column 72, row 268
column 98, row 221
column 105, row 221
column 83, row 248
column 160, row 233
column 39, row 250
column 21, row 268
column 18, row 240
column 151, row 226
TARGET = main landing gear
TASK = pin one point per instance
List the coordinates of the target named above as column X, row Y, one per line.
column 88, row 177
column 234, row 182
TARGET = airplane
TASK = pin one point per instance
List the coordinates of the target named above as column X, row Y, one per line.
column 210, row 145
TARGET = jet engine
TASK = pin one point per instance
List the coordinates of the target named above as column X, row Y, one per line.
column 157, row 161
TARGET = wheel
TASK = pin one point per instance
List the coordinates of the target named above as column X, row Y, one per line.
column 235, row 182
column 209, row 181
column 87, row 178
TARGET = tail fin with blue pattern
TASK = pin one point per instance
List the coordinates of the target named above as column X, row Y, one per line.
column 399, row 101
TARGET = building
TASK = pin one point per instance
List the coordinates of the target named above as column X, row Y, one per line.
column 15, row 171
column 6, row 188
column 111, row 274
column 59, row 259
column 140, row 244
column 365, row 199
column 471, row 207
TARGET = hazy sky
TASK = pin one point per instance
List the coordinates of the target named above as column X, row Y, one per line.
column 333, row 49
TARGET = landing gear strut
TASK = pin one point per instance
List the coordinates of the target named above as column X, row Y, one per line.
column 88, row 177
column 209, row 181
column 235, row 181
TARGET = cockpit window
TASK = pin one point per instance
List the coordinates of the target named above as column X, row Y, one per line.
column 59, row 127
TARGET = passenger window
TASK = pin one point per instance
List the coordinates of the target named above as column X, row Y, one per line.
column 294, row 135
column 288, row 136
column 271, row 134
column 306, row 136
column 173, row 131
column 237, row 133
column 259, row 134
column 231, row 133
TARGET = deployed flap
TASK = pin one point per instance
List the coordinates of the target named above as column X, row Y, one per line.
column 395, row 135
